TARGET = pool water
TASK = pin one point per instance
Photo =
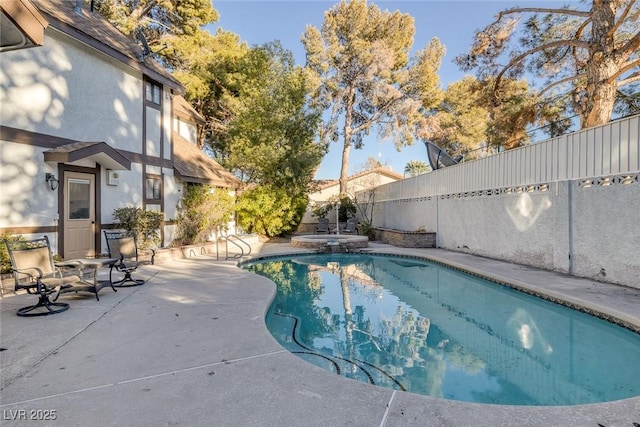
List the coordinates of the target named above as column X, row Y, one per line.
column 412, row 325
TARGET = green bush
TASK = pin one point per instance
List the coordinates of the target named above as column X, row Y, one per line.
column 271, row 212
column 144, row 224
column 203, row 210
column 366, row 229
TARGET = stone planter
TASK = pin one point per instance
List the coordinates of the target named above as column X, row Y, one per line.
column 406, row 239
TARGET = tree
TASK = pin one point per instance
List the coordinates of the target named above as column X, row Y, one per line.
column 207, row 66
column 271, row 137
column 595, row 52
column 360, row 62
column 158, row 19
column 468, row 119
column 459, row 123
column 416, row 167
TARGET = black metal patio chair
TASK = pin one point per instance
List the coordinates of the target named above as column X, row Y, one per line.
column 35, row 272
column 125, row 248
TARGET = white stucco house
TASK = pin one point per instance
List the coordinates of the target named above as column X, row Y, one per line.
column 329, row 189
column 88, row 124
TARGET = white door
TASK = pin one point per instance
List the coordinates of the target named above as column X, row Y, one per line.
column 79, row 216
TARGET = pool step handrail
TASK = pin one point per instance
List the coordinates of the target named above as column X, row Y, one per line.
column 234, row 239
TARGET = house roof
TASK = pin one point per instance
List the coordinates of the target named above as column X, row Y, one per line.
column 184, row 110
column 323, row 184
column 95, row 31
column 192, row 165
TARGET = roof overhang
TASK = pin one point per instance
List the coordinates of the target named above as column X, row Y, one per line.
column 99, row 152
column 190, row 164
column 21, row 25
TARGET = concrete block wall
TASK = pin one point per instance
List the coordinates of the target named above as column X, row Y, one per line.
column 587, row 227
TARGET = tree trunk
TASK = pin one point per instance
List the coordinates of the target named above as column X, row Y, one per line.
column 346, row 149
column 344, row 169
column 601, row 87
column 599, row 104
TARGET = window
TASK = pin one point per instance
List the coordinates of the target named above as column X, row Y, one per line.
column 79, row 198
column 152, row 91
column 153, row 187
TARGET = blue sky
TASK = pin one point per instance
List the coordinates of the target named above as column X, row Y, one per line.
column 453, row 22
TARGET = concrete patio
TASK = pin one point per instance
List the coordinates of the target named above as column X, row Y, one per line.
column 190, row 348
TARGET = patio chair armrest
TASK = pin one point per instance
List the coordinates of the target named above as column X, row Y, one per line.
column 41, row 287
column 28, row 272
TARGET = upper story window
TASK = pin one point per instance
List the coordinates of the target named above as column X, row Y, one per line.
column 153, row 92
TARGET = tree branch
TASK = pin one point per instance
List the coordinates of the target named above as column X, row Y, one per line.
column 541, row 10
column 578, row 35
column 142, row 10
column 559, row 82
column 635, row 77
column 626, row 67
column 574, row 43
column 632, row 46
column 623, row 18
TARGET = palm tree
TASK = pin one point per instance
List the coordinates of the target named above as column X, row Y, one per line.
column 416, row 167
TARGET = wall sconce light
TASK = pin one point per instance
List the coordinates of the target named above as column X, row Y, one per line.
column 51, row 180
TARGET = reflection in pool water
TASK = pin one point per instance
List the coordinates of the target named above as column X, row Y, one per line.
column 417, row 326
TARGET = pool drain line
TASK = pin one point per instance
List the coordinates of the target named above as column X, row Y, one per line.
column 335, row 364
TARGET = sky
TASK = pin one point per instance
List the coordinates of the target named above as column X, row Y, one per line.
column 453, row 22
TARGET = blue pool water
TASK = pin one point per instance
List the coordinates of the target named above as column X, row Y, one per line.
column 413, row 325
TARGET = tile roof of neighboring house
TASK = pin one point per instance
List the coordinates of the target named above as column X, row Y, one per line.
column 184, row 110
column 92, row 29
column 379, row 170
column 193, row 165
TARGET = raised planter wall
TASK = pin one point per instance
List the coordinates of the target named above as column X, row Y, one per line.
column 406, row 239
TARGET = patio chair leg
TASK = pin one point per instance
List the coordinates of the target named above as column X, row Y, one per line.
column 127, row 278
column 43, row 302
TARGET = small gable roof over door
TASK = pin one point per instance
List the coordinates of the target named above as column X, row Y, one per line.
column 99, row 152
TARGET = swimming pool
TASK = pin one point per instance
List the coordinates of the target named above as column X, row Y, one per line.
column 413, row 325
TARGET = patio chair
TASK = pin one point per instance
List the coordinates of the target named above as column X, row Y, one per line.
column 351, row 227
column 34, row 271
column 322, row 226
column 125, row 248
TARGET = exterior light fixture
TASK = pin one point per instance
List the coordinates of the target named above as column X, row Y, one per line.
column 51, row 180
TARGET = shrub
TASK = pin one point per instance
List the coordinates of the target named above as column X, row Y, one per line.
column 203, row 210
column 271, row 212
column 144, row 224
